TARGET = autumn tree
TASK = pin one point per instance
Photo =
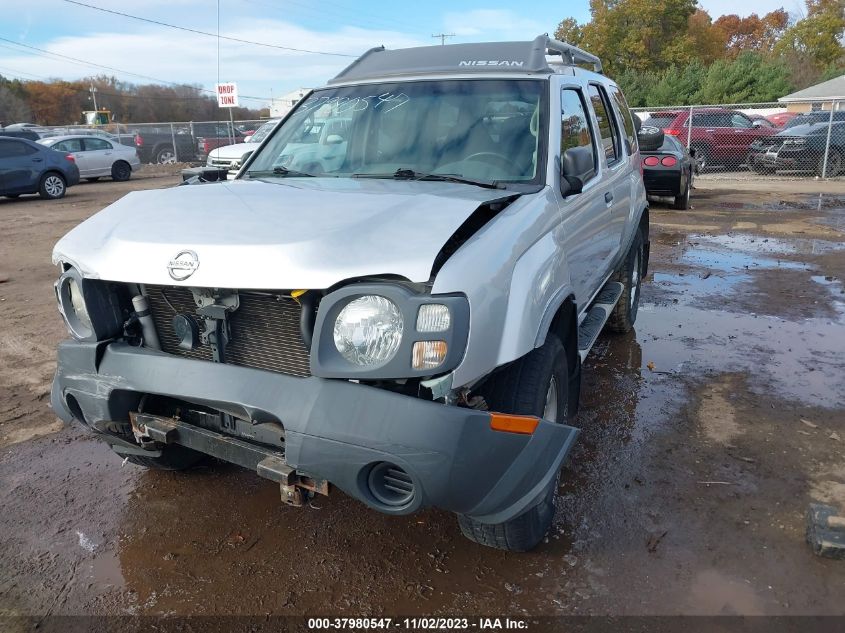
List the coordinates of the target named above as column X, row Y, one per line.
column 752, row 33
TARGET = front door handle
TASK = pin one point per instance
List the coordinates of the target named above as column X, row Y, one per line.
column 37, row 160
column 608, row 197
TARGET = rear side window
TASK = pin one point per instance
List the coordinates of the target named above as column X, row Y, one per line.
column 607, row 124
column 627, row 119
column 661, row 120
column 574, row 125
column 70, row 145
column 10, row 149
column 97, row 144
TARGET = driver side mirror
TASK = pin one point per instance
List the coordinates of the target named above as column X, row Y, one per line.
column 638, row 122
column 576, row 168
column 334, row 139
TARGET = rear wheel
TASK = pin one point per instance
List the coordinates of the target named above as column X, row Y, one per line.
column 52, row 186
column 702, row 157
column 630, row 275
column 536, row 384
column 682, row 200
column 165, row 156
column 121, row 171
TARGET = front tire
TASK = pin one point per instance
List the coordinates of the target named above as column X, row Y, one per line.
column 629, row 274
column 121, row 171
column 835, row 164
column 52, row 186
column 536, row 384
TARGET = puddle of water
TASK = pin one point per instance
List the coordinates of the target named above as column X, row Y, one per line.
column 728, row 260
column 771, row 245
column 805, row 203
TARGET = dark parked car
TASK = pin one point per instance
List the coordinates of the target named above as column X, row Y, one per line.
column 719, row 136
column 802, row 148
column 27, row 167
column 29, row 135
column 668, row 171
column 156, row 145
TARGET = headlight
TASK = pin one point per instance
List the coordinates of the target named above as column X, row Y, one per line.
column 73, row 308
column 208, row 161
column 368, row 330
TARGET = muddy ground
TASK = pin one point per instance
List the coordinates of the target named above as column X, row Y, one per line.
column 706, row 434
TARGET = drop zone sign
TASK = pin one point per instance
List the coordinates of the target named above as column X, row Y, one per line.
column 227, row 95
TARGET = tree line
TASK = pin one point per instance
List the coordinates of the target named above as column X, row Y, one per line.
column 671, row 52
column 58, row 102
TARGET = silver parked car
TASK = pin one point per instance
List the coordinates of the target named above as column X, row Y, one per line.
column 97, row 156
column 231, row 157
column 399, row 307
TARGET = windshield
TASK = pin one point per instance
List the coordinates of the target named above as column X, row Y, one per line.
column 483, row 130
column 264, row 131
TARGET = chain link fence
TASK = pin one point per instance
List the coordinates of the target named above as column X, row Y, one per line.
column 757, row 139
column 163, row 143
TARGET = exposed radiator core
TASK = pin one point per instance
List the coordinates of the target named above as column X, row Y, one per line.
column 264, row 330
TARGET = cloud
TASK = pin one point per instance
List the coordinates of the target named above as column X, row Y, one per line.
column 493, row 24
column 181, row 57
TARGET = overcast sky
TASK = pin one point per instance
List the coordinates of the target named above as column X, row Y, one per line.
column 342, row 27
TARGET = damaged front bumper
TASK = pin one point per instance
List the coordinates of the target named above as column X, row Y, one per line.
column 333, row 430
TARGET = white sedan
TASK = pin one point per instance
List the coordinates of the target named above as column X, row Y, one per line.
column 97, row 156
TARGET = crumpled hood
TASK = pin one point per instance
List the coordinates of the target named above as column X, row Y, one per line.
column 233, row 152
column 279, row 234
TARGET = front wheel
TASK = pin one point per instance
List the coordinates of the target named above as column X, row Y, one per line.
column 121, row 171
column 835, row 164
column 536, row 384
column 52, row 186
column 629, row 274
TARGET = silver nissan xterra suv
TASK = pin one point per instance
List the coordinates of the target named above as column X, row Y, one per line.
column 399, row 308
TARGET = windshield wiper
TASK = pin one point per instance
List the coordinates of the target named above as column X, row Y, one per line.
column 279, row 171
column 410, row 174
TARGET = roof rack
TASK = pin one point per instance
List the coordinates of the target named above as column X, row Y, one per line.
column 571, row 54
column 483, row 57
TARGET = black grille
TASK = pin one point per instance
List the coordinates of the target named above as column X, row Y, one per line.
column 264, row 329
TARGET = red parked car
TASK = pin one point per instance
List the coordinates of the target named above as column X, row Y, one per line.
column 719, row 136
column 781, row 118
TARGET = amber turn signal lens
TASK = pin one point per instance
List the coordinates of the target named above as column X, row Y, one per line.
column 428, row 354
column 525, row 424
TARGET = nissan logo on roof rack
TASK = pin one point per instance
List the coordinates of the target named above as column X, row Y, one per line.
column 491, row 62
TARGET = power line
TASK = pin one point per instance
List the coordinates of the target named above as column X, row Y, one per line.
column 117, row 70
column 189, row 30
column 443, row 37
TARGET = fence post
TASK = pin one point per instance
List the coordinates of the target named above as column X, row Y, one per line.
column 827, row 143
column 173, row 140
column 689, row 128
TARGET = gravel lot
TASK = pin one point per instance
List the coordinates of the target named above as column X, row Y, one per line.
column 706, row 433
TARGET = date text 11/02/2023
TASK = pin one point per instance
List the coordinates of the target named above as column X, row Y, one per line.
column 419, row 623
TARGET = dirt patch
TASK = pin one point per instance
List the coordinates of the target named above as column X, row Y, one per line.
column 685, row 494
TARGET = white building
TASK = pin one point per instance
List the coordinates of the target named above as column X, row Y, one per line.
column 280, row 106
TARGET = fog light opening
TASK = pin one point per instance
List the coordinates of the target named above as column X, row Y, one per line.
column 390, row 485
column 75, row 410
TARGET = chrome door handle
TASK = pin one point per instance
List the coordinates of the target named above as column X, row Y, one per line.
column 608, row 197
column 37, row 160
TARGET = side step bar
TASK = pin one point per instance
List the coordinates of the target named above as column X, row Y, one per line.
column 264, row 461
column 597, row 316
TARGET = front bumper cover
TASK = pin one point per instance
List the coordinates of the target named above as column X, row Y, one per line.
column 334, row 429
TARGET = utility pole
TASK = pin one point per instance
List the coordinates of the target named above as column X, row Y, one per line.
column 93, row 96
column 443, row 37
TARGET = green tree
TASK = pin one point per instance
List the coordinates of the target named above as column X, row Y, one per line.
column 747, row 79
column 818, row 37
column 678, row 86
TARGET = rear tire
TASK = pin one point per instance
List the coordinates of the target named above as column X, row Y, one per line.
column 835, row 164
column 702, row 157
column 52, row 186
column 536, row 384
column 165, row 155
column 630, row 275
column 650, row 138
column 682, row 201
column 121, row 171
